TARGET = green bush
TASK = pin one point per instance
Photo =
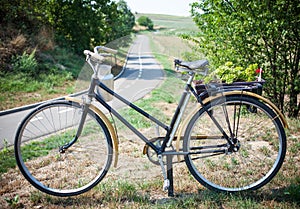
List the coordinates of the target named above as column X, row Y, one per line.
column 254, row 32
column 230, row 73
column 25, row 63
column 146, row 21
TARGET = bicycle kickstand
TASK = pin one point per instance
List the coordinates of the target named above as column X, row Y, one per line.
column 168, row 177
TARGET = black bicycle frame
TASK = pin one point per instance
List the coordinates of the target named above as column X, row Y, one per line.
column 211, row 116
column 169, row 129
column 158, row 150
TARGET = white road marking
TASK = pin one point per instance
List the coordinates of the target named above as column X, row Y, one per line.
column 140, row 62
column 65, row 110
column 37, row 118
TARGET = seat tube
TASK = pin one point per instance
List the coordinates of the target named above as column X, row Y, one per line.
column 181, row 107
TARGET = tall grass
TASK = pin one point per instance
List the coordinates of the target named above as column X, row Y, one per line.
column 39, row 78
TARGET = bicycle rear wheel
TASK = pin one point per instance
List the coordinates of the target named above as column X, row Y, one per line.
column 258, row 151
column 72, row 171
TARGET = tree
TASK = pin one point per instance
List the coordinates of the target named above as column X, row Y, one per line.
column 120, row 21
column 84, row 23
column 146, row 21
column 77, row 24
column 263, row 32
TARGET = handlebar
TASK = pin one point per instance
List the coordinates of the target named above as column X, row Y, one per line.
column 94, row 56
column 106, row 49
column 197, row 64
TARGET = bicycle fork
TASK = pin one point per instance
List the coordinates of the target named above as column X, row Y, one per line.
column 86, row 104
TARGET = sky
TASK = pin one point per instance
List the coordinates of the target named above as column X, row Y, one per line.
column 170, row 7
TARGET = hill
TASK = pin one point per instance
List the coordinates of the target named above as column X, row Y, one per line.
column 177, row 24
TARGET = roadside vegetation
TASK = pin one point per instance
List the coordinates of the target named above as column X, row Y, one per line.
column 42, row 43
column 145, row 21
column 254, row 32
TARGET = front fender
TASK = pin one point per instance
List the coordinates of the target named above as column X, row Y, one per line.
column 108, row 124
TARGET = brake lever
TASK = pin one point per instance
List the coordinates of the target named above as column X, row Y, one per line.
column 176, row 64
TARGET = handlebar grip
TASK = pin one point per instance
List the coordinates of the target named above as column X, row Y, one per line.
column 177, row 61
column 94, row 56
column 86, row 52
column 106, row 49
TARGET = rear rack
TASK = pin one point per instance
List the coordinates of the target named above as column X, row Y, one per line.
column 204, row 90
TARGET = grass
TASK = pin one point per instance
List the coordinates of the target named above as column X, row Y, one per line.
column 124, row 194
column 166, row 93
column 53, row 77
column 41, row 148
column 7, row 158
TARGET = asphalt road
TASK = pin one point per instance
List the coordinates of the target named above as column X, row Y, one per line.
column 141, row 75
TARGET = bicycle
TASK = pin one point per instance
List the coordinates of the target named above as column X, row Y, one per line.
column 233, row 140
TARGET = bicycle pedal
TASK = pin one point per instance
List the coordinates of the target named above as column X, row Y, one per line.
column 166, row 184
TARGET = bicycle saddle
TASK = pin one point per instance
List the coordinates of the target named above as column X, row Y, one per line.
column 192, row 65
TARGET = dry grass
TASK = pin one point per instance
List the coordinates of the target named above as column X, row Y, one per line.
column 19, row 99
column 136, row 183
column 170, row 46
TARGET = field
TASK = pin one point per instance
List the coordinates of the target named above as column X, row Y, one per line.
column 137, row 183
column 172, row 24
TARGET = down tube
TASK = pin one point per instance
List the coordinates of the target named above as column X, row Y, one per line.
column 139, row 110
column 126, row 123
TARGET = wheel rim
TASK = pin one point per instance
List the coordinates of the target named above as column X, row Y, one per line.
column 257, row 160
column 76, row 170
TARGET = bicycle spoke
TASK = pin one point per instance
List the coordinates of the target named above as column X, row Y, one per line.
column 254, row 157
column 227, row 121
column 73, row 171
column 238, row 119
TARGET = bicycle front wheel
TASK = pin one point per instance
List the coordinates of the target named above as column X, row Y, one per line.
column 257, row 152
column 58, row 172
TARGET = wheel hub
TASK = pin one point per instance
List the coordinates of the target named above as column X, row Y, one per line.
column 234, row 147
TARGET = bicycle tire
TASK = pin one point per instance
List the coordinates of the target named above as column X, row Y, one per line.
column 260, row 149
column 77, row 169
